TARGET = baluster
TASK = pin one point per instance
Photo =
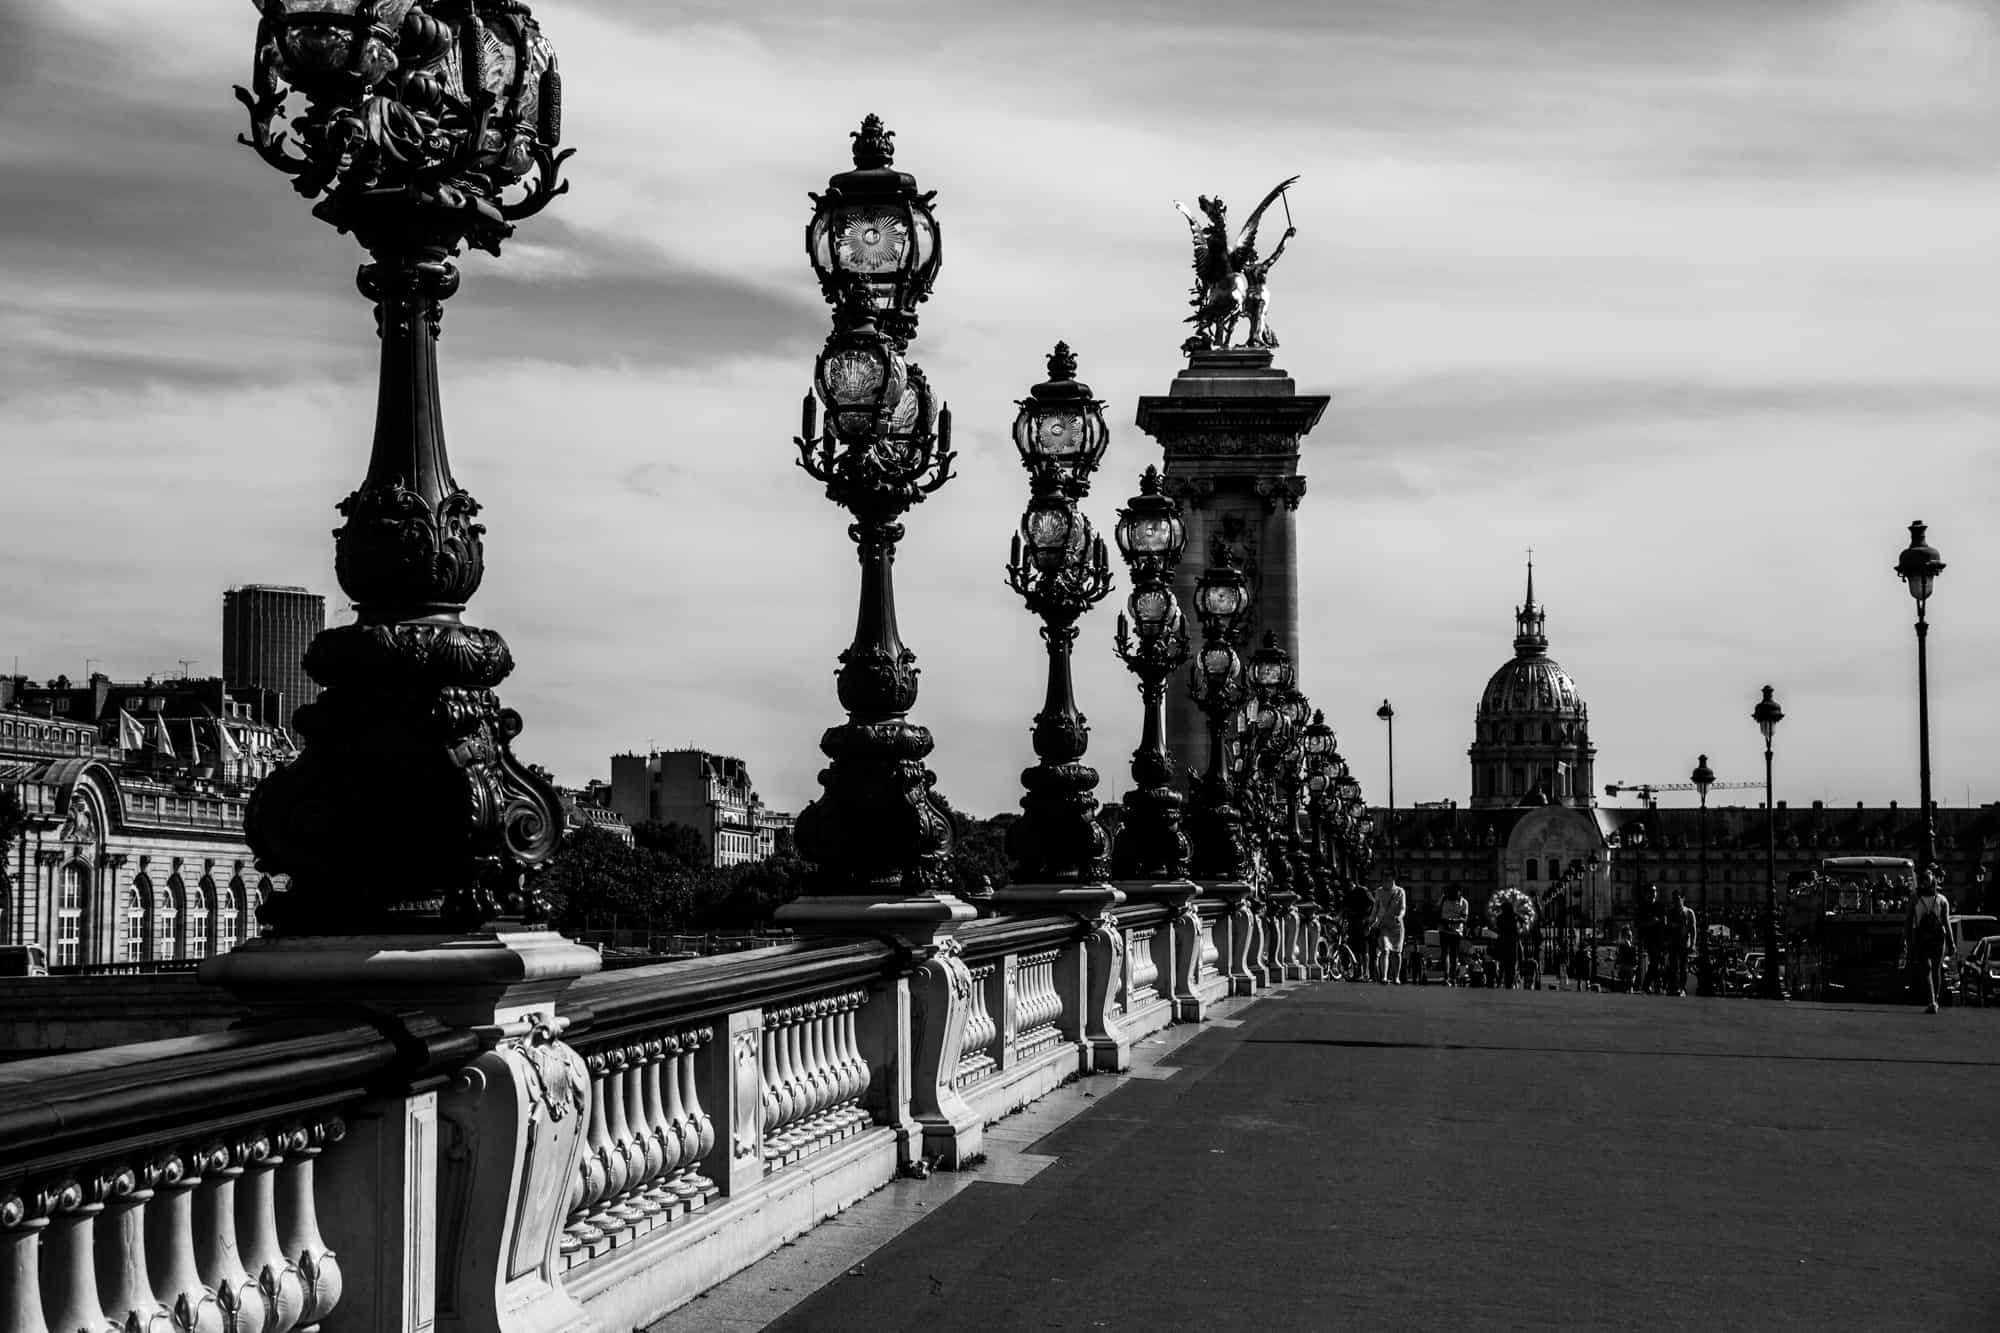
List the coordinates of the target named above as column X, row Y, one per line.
column 22, row 1221
column 773, row 1098
column 217, row 1258
column 122, row 1278
column 856, row 1085
column 170, row 1246
column 660, row 1130
column 631, row 1161
column 298, row 1219
column 686, row 1133
column 791, row 1059
column 691, row 1099
column 823, row 1086
column 69, row 1266
column 640, row 1057
column 604, row 1148
column 257, row 1218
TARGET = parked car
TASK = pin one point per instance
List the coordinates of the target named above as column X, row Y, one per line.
column 1979, row 971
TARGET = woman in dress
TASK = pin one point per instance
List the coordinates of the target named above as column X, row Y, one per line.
column 1390, row 904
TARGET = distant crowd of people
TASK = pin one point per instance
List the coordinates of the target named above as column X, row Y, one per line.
column 1653, row 956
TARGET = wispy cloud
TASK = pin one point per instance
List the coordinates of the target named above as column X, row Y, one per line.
column 1696, row 296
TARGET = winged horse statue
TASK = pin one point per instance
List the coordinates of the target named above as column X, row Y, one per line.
column 1229, row 281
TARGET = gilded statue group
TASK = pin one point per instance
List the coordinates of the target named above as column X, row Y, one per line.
column 1230, row 281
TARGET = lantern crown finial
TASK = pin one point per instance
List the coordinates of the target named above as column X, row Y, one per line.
column 1149, row 480
column 1062, row 363
column 874, row 144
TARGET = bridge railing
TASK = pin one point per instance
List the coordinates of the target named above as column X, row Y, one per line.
column 290, row 1176
column 175, row 1185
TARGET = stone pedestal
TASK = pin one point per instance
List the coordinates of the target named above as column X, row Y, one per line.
column 1230, row 426
column 471, row 1179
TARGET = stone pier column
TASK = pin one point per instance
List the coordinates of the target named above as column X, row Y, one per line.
column 1230, row 426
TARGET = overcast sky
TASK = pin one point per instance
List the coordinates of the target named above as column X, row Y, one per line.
column 1699, row 298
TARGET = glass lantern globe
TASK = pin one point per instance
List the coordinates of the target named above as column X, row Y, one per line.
column 861, row 380
column 1218, row 664
column 1270, row 665
column 1060, row 431
column 872, row 224
column 1919, row 564
column 1054, row 533
column 1150, row 532
column 1154, row 612
column 1318, row 735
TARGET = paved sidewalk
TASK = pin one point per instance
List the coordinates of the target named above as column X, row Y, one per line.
column 1353, row 1156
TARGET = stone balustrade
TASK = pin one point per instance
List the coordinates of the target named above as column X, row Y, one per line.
column 174, row 1186
column 291, row 1176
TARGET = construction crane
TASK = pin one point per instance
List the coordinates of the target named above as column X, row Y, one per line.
column 1649, row 791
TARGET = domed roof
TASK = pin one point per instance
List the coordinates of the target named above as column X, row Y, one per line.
column 1531, row 685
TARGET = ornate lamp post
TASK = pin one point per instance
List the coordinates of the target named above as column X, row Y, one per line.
column 1388, row 715
column 879, row 835
column 1703, row 778
column 406, row 824
column 1216, row 682
column 425, row 128
column 1150, row 535
column 1767, row 715
column 1918, row 566
column 1061, row 570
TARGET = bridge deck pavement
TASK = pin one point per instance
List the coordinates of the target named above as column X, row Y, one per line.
column 1354, row 1156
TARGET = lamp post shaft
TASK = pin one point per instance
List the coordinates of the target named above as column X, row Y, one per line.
column 1392, row 795
column 1929, row 850
column 1774, row 961
column 1706, row 985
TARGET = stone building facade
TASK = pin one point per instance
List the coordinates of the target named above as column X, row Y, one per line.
column 1532, row 814
column 710, row 793
column 130, row 850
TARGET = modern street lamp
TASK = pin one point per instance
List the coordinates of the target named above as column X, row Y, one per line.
column 1918, row 566
column 1153, row 643
column 1059, row 567
column 1216, row 682
column 1388, row 715
column 1767, row 716
column 1703, row 778
column 420, row 131
column 878, row 832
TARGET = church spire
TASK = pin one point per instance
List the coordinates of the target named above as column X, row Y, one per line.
column 1529, row 641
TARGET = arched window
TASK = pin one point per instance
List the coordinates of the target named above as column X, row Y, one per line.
column 135, row 925
column 164, row 916
column 197, row 923
column 225, row 919
column 1534, row 868
column 1546, row 736
column 69, row 917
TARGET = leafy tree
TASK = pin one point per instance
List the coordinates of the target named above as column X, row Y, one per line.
column 674, row 840
column 594, row 875
column 980, row 852
column 743, row 897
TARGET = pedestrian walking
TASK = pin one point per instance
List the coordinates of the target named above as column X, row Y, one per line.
column 1628, row 963
column 1453, row 913
column 1391, row 903
column 1927, row 938
column 1681, row 929
column 1648, row 921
